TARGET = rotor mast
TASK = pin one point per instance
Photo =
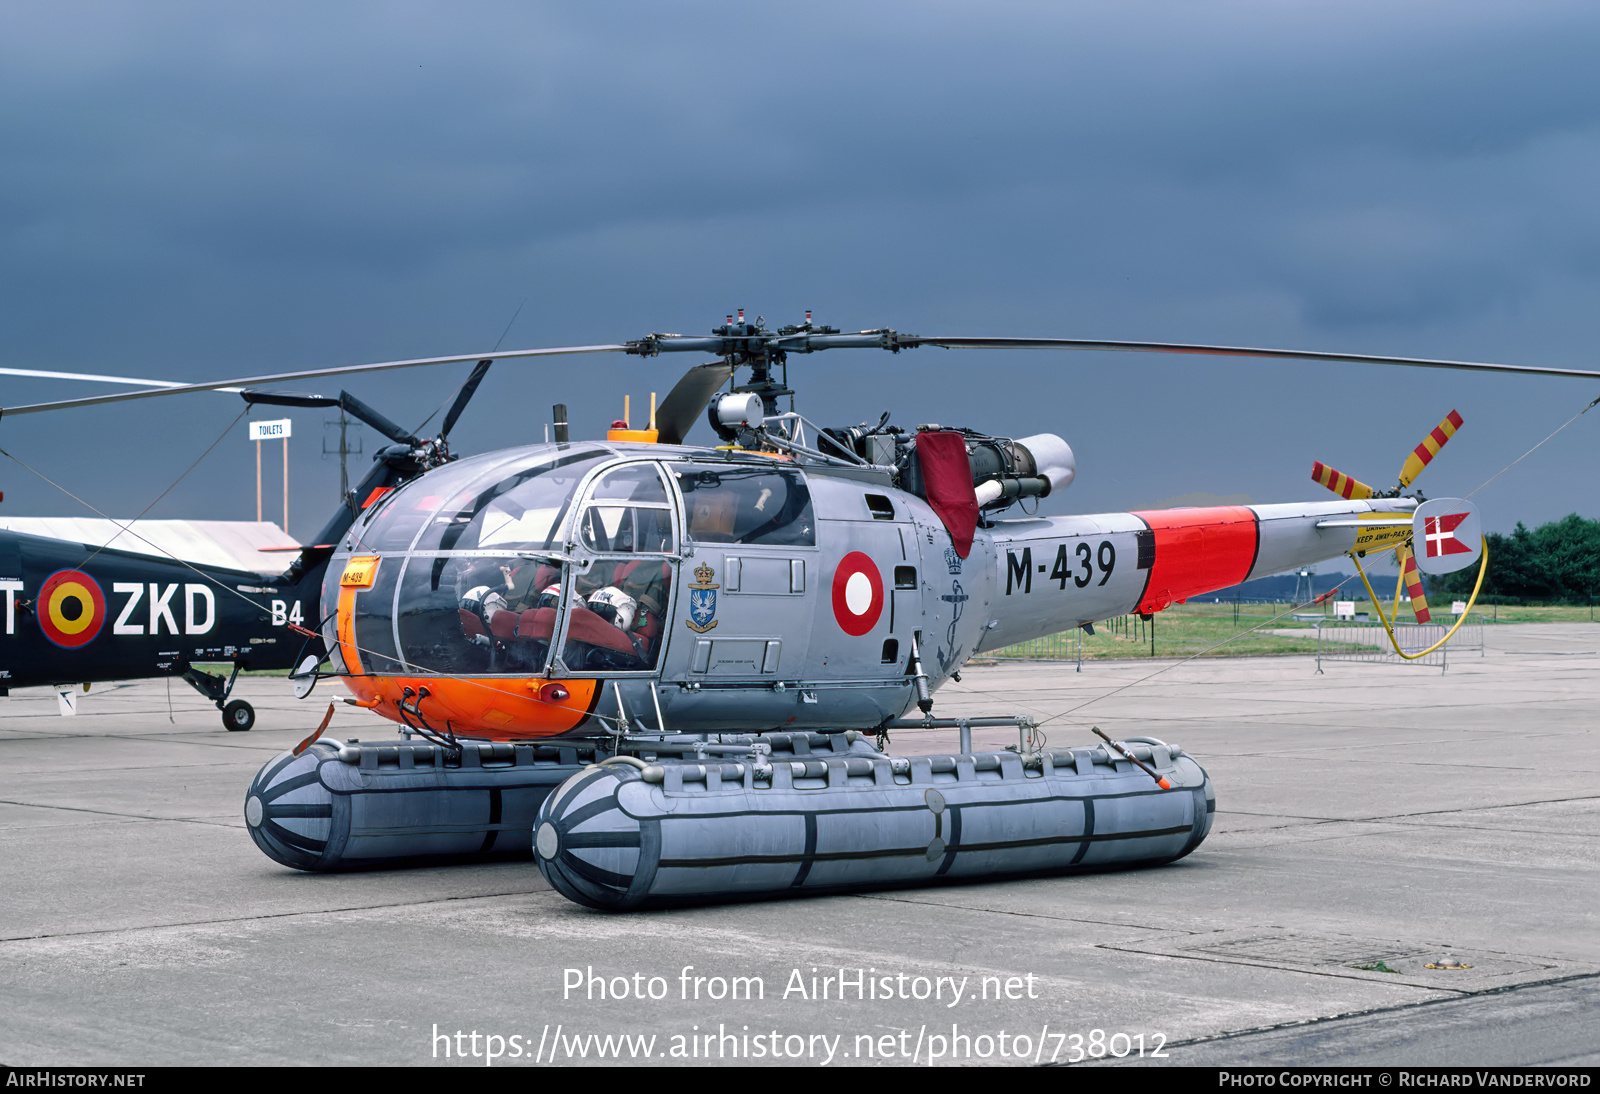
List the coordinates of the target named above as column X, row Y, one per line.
column 743, row 344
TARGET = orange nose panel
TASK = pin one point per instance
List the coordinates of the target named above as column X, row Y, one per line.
column 495, row 707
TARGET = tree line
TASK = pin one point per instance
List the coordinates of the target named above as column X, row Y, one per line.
column 1555, row 561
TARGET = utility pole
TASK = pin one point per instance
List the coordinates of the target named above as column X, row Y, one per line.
column 344, row 449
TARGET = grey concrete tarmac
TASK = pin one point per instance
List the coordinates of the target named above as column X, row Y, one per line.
column 1372, row 821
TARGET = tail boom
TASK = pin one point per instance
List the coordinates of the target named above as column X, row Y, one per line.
column 1055, row 574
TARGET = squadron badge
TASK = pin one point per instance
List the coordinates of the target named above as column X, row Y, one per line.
column 702, row 600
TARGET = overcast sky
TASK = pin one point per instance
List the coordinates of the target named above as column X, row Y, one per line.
column 201, row 191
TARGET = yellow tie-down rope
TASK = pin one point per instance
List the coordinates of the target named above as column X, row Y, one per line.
column 1483, row 568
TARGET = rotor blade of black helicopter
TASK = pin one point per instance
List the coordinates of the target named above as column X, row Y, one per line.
column 914, row 340
column 95, row 377
column 681, row 408
column 464, row 396
column 288, row 398
column 355, row 407
column 308, row 374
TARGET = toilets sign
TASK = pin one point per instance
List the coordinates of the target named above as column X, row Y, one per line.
column 270, row 431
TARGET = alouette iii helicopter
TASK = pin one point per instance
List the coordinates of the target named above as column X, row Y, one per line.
column 662, row 664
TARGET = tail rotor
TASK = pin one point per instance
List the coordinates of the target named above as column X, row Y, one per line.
column 1339, row 482
column 1416, row 461
column 1413, row 582
column 1424, row 453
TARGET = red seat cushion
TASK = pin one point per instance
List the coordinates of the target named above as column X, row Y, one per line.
column 537, row 623
column 471, row 625
column 585, row 626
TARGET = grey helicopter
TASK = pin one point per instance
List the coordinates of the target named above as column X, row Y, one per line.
column 592, row 645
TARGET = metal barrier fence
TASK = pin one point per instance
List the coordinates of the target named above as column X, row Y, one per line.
column 1346, row 641
column 1336, row 640
column 1066, row 646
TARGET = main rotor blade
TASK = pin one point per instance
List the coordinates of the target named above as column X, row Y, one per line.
column 681, row 408
column 308, row 374
column 95, row 378
column 464, row 396
column 909, row 341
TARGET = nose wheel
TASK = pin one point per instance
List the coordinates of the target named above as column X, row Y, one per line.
column 238, row 716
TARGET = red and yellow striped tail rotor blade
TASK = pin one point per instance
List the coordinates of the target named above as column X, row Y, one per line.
column 1339, row 482
column 1424, row 453
column 1413, row 580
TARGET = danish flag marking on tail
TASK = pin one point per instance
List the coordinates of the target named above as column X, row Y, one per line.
column 1448, row 534
column 1441, row 535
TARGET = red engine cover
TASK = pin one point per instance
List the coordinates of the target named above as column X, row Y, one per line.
column 947, row 477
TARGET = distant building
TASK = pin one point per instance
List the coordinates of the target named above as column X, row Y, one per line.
column 257, row 546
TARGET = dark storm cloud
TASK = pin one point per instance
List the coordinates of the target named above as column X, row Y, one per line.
column 193, row 190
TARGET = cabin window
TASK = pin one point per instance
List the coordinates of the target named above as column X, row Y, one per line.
column 616, row 619
column 620, row 529
column 393, row 520
column 477, row 614
column 638, row 483
column 754, row 505
column 524, row 510
column 628, row 513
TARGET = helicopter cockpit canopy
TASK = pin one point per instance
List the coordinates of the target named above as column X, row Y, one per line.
column 475, row 576
column 488, row 564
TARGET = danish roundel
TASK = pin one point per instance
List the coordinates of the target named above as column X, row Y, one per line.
column 857, row 594
column 72, row 609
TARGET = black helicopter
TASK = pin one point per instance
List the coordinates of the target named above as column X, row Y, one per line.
column 78, row 614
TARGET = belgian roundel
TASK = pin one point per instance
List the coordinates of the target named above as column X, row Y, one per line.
column 71, row 608
column 857, row 594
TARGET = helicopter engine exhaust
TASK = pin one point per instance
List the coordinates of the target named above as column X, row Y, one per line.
column 1033, row 467
column 1004, row 470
